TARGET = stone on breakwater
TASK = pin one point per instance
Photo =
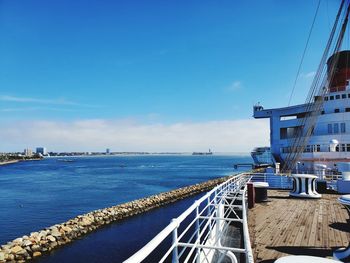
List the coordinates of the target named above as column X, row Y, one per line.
column 27, row 243
column 56, row 233
column 51, row 238
column 16, row 249
column 18, row 240
column 34, row 245
column 36, row 248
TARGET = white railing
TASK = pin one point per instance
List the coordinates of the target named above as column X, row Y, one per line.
column 276, row 181
column 198, row 233
column 284, row 181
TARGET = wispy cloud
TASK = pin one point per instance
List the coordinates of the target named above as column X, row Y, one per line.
column 59, row 101
column 26, row 109
column 234, row 86
column 123, row 135
column 36, row 100
column 308, row 75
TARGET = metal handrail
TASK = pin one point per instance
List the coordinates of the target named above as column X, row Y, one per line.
column 236, row 183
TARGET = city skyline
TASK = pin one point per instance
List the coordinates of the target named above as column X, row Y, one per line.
column 153, row 76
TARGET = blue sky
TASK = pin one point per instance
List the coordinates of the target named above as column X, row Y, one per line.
column 151, row 63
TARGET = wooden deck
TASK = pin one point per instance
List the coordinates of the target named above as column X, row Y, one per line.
column 288, row 226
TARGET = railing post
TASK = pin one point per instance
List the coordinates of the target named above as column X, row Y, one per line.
column 197, row 235
column 216, row 214
column 217, row 221
column 208, row 214
column 175, row 250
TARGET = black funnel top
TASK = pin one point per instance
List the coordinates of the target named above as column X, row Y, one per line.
column 343, row 60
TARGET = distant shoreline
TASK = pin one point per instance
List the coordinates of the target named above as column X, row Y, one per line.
column 17, row 161
column 122, row 154
column 9, row 162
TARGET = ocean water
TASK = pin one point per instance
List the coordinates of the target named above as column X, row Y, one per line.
column 37, row 194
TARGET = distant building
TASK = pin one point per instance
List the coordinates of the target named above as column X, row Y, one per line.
column 41, row 150
column 108, row 151
column 28, row 152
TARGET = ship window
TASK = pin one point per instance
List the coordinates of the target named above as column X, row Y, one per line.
column 336, row 110
column 348, row 147
column 336, row 128
column 343, row 148
column 343, row 96
column 286, row 149
column 349, row 95
column 337, row 148
column 322, row 112
column 330, row 129
column 314, row 148
column 308, row 148
column 325, row 98
column 342, row 127
column 331, row 97
column 283, row 133
column 337, row 97
column 347, row 109
column 286, row 118
column 318, row 148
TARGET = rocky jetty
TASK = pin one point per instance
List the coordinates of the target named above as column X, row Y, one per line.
column 37, row 243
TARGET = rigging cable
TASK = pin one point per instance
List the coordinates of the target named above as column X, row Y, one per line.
column 304, row 52
column 295, row 142
column 308, row 123
column 314, row 103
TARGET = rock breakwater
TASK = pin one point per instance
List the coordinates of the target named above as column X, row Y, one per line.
column 37, row 243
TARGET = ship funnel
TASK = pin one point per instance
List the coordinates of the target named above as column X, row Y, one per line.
column 339, row 79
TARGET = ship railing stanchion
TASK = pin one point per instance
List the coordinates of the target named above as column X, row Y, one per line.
column 217, row 221
column 247, row 247
column 208, row 214
column 175, row 242
column 198, row 260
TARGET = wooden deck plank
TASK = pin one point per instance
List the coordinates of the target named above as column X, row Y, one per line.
column 313, row 230
column 290, row 226
column 279, row 223
column 308, row 227
column 332, row 220
column 301, row 218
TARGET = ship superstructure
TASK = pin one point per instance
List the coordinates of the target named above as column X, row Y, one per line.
column 262, row 156
column 329, row 142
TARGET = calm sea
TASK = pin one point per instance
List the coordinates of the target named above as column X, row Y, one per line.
column 37, row 194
